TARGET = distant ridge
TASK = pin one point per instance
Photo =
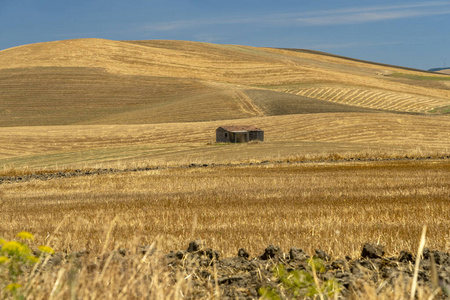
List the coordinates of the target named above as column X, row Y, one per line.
column 360, row 60
column 440, row 70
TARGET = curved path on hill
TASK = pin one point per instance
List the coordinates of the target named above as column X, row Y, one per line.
column 92, row 172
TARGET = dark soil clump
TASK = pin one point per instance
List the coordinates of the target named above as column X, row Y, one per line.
column 274, row 274
column 243, row 277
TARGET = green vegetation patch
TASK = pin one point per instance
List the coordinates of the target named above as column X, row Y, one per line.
column 297, row 284
column 279, row 103
column 421, row 77
column 441, row 110
column 16, row 258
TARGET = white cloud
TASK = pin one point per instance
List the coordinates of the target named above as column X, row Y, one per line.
column 354, row 15
column 372, row 14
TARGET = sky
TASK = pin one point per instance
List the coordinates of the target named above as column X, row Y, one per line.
column 409, row 33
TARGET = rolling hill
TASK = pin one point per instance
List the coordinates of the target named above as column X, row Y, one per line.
column 95, row 81
column 369, row 134
column 441, row 70
column 94, row 102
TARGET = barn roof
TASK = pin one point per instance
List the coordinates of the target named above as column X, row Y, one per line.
column 240, row 128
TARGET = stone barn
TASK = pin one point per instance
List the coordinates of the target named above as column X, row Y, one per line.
column 239, row 134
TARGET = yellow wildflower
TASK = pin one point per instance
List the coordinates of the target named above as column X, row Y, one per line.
column 32, row 259
column 14, row 247
column 46, row 249
column 13, row 286
column 24, row 235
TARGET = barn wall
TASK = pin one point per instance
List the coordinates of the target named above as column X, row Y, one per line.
column 256, row 135
column 239, row 137
column 222, row 136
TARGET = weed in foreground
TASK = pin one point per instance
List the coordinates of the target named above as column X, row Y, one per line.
column 301, row 283
column 16, row 257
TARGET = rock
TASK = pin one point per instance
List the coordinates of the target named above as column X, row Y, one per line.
column 296, row 253
column 210, row 253
column 372, row 251
column 243, row 253
column 405, row 257
column 174, row 258
column 440, row 257
column 195, row 246
column 271, row 252
column 180, row 254
column 343, row 278
column 241, row 277
column 322, row 255
column 339, row 264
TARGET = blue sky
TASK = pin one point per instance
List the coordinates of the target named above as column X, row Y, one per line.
column 407, row 33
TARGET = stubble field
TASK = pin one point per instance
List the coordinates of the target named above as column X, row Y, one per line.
column 334, row 206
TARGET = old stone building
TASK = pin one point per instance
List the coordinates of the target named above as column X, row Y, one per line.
column 239, row 134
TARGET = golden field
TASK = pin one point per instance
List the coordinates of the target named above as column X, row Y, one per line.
column 93, row 81
column 331, row 206
column 89, row 103
column 334, row 206
column 184, row 143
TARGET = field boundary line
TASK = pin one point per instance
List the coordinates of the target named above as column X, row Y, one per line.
column 93, row 172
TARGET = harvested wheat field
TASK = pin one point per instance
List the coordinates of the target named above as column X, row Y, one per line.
column 242, row 206
column 289, row 136
column 112, row 185
column 336, row 207
column 94, row 81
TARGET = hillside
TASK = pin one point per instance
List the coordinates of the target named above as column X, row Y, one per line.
column 94, row 81
column 440, row 70
column 184, row 143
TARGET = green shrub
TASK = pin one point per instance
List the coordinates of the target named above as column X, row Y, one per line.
column 301, row 283
column 16, row 257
